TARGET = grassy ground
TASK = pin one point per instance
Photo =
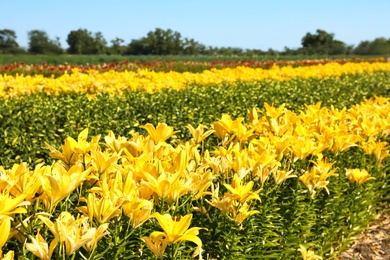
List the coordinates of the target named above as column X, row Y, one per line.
column 100, row 59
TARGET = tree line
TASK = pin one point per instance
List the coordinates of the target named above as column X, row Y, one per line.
column 168, row 42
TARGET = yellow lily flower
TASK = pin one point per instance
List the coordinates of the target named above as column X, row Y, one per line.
column 223, row 127
column 343, row 141
column 253, row 116
column 101, row 231
column 10, row 255
column 308, row 254
column 358, row 176
column 244, row 213
column 176, row 229
column 73, row 149
column 241, row 132
column 156, row 243
column 59, row 183
column 102, row 161
column 281, row 175
column 264, row 156
column 73, row 233
column 379, row 149
column 60, row 227
column 9, row 178
column 263, row 172
column 225, row 205
column 79, row 238
column 102, row 209
column 264, row 160
column 83, row 146
column 307, row 178
column 159, row 134
column 317, row 176
column 218, row 164
column 280, row 144
column 278, row 126
column 40, row 248
column 5, row 229
column 136, row 145
column 201, row 181
column 369, row 123
column 68, row 155
column 198, row 134
column 242, row 192
column 314, row 109
column 274, row 112
column 105, row 200
column 20, row 180
column 10, row 206
column 230, row 206
column 180, row 160
column 166, row 185
column 303, row 146
column 138, row 211
column 116, row 144
column 238, row 157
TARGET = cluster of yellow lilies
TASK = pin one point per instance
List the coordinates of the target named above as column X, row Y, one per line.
column 130, row 177
column 113, row 82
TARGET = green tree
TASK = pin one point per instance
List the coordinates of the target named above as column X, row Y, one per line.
column 191, row 47
column 80, row 42
column 8, row 42
column 322, row 42
column 100, row 44
column 83, row 41
column 164, row 42
column 116, row 46
column 39, row 43
column 321, row 38
column 379, row 46
column 362, row 48
column 138, row 47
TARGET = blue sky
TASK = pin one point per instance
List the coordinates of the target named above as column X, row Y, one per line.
column 247, row 24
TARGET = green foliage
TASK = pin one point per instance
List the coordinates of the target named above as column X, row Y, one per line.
column 60, row 59
column 82, row 41
column 379, row 46
column 322, row 42
column 164, row 42
column 39, row 43
column 8, row 42
column 116, row 47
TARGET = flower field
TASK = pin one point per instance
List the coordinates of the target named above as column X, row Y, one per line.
column 166, row 65
column 114, row 82
column 283, row 162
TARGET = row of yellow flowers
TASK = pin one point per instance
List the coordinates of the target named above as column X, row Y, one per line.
column 114, row 82
column 126, row 178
